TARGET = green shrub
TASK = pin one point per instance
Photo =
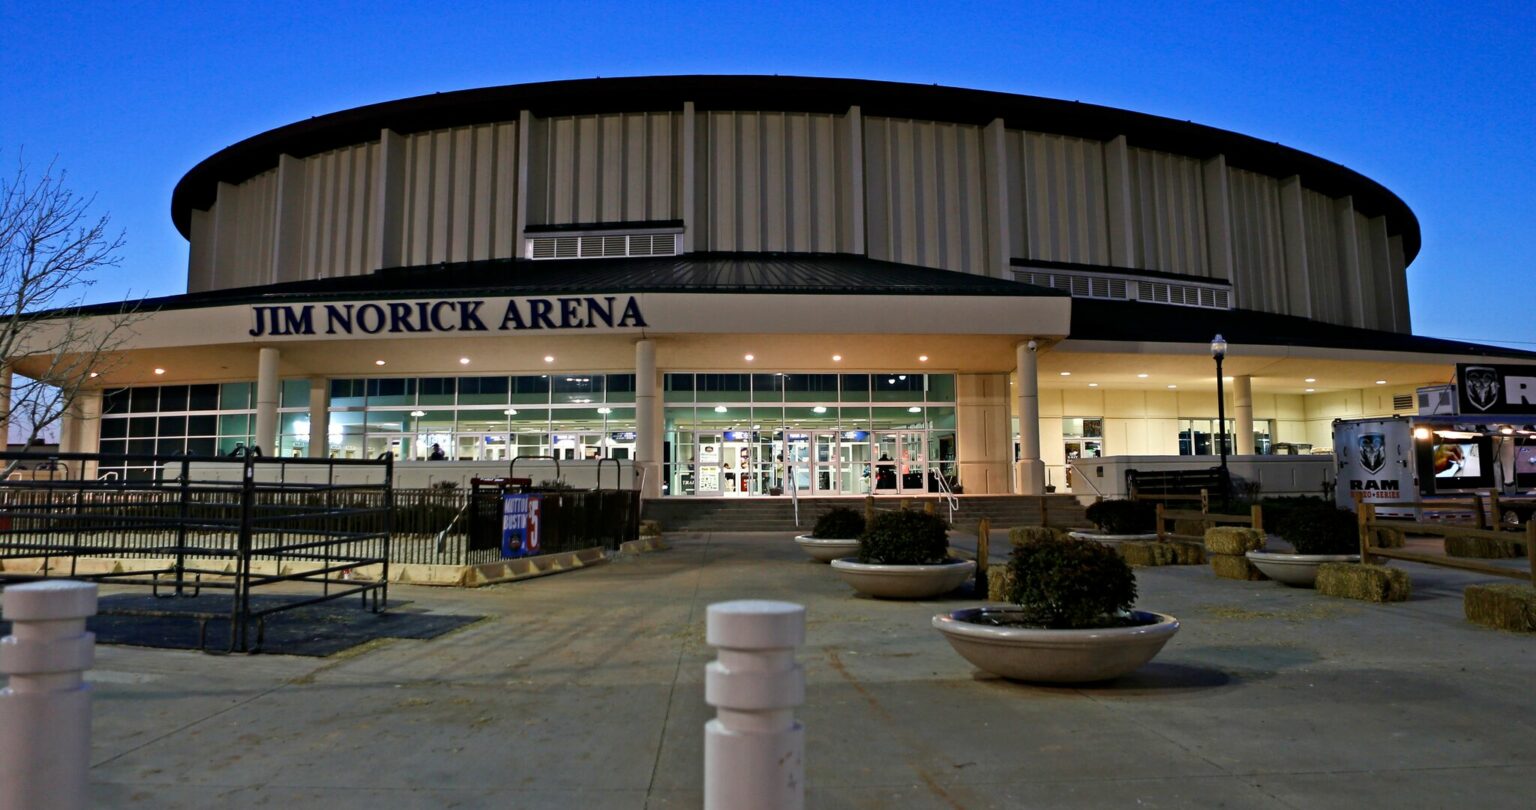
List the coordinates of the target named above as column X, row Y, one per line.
column 1123, row 517
column 905, row 538
column 1318, row 527
column 839, row 523
column 1070, row 583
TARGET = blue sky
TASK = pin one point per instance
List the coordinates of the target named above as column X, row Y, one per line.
column 1437, row 104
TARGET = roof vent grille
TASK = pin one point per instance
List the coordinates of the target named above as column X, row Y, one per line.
column 1127, row 287
column 602, row 246
column 1403, row 402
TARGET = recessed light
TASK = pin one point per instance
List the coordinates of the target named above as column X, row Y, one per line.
column 95, row 374
column 922, row 358
column 901, row 376
column 463, row 361
column 750, row 358
column 549, row 358
column 1226, row 379
column 914, row 409
column 418, row 414
column 510, row 412
column 720, row 409
column 1066, row 373
column 1310, row 379
column 378, row 362
column 837, row 358
column 1142, row 376
column 1381, row 382
column 1173, row 386
column 890, row 381
column 159, row 371
column 605, row 410
column 1093, row 385
column 1310, row 390
column 819, row 409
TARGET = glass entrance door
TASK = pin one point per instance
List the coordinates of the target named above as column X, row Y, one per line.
column 901, row 462
column 1079, row 449
column 817, row 460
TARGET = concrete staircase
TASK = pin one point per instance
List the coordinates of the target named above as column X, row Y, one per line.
column 777, row 514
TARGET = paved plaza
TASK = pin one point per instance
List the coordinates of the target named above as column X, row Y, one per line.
column 585, row 690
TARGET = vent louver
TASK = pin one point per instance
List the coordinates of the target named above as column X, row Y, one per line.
column 1125, row 287
column 603, row 246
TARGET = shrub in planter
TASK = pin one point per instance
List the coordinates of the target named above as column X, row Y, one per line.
column 1068, row 584
column 1319, row 527
column 1123, row 517
column 905, row 538
column 839, row 523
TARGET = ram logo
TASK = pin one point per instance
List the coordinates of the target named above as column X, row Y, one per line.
column 1482, row 385
column 1373, row 452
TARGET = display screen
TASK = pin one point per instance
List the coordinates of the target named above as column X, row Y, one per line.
column 1458, row 460
column 1525, row 459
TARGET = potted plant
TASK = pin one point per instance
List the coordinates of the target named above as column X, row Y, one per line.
column 1319, row 532
column 904, row 555
column 1070, row 622
column 836, row 534
column 1119, row 521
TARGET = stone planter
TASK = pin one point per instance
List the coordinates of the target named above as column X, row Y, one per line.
column 1054, row 656
column 1111, row 539
column 1296, row 570
column 904, row 581
column 827, row 549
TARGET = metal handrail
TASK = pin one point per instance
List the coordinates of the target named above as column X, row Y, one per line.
column 618, row 473
column 512, row 466
column 948, row 495
column 794, row 491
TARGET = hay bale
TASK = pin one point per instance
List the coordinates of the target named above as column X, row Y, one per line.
column 1505, row 606
column 1372, row 583
column 650, row 528
column 1193, row 528
column 999, row 580
column 1382, row 537
column 1140, row 553
column 1023, row 535
column 1484, row 548
column 1188, row 552
column 1235, row 566
column 1233, row 540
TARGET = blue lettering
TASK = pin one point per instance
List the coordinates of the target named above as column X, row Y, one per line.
column 599, row 312
column 366, row 311
column 538, row 312
column 632, row 316
column 468, row 315
column 512, row 317
column 569, row 318
column 335, row 317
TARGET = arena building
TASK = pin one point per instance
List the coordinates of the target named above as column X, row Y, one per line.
column 743, row 283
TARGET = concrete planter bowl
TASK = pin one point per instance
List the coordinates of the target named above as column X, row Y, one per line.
column 1054, row 656
column 1111, row 539
column 1295, row 570
column 903, row 581
column 827, row 549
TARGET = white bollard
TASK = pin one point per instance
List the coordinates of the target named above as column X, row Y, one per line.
column 754, row 749
column 45, row 711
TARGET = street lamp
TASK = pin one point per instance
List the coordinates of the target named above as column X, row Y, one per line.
column 1219, row 352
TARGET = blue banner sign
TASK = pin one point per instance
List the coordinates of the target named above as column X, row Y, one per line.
column 520, row 517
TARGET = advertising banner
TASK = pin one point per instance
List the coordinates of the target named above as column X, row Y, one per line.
column 1374, row 461
column 520, row 525
column 1496, row 390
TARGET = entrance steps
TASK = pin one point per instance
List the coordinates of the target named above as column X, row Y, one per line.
column 777, row 514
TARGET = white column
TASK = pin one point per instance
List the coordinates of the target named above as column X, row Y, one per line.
column 648, row 425
column 319, row 417
column 1029, row 474
column 45, row 711
column 267, row 391
column 1242, row 413
column 754, row 749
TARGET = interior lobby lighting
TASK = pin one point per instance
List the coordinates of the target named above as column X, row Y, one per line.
column 720, row 409
column 922, row 358
column 95, row 374
column 605, row 411
column 549, row 358
column 1381, row 382
column 1311, row 379
column 159, row 371
column 914, row 409
column 1066, row 373
column 817, row 409
column 1173, row 386
column 510, row 412
column 1093, row 385
column 1310, row 390
column 750, row 358
column 1142, row 376
column 378, row 362
column 837, row 358
column 463, row 361
column 418, row 414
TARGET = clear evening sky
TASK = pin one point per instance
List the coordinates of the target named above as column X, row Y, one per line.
column 1436, row 103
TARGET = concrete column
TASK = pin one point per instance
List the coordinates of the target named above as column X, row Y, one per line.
column 983, row 434
column 1242, row 414
column 754, row 749
column 268, row 389
column 1029, row 475
column 319, row 417
column 45, row 712
column 648, row 425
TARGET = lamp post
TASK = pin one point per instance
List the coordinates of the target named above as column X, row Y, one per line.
column 1219, row 352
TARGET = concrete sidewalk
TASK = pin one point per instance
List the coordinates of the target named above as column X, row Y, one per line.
column 585, row 691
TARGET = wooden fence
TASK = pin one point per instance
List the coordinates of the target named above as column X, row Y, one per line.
column 1369, row 522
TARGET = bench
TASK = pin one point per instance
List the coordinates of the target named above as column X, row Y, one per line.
column 1178, row 485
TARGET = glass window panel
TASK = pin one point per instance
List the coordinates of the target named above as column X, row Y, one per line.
column 294, row 424
column 141, row 447
column 346, row 423
column 203, row 398
column 768, row 418
column 941, row 388
column 202, row 447
column 855, row 387
column 767, row 387
column 234, row 424
column 347, row 394
column 173, row 398
column 531, row 389
column 172, row 426
column 489, row 421
column 294, row 394
column 897, row 418
column 679, row 418
column 114, row 428
column 577, row 388
column 228, row 444
column 723, row 387
column 1093, row 428
column 679, row 387
column 855, row 417
column 166, row 447
column 721, row 416
column 389, row 421
column 392, row 391
column 621, row 388
column 817, row 417
column 114, row 446
column 483, row 391
column 144, row 400
column 896, row 386
column 436, row 421
column 437, row 390
column 235, row 396
column 205, row 425
column 942, row 418
column 115, row 401
column 810, row 387
column 141, row 427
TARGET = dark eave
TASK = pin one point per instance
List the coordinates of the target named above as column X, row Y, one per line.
column 259, row 153
column 1138, row 322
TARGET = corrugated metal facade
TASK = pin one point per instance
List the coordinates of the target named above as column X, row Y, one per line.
column 340, row 232
column 925, row 200
column 1168, row 212
column 1258, row 241
column 605, row 168
column 459, row 194
column 1057, row 205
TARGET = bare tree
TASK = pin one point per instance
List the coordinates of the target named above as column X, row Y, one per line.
column 50, row 247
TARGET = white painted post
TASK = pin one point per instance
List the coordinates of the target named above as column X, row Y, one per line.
column 754, row 749
column 45, row 711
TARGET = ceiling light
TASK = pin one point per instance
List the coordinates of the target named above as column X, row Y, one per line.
column 1311, row 379
column 605, row 410
column 1421, row 433
column 418, row 414
column 1507, row 431
column 750, row 358
column 1093, row 385
column 720, row 409
column 914, row 409
column 510, row 412
column 1173, row 386
column 922, row 358
column 378, row 362
column 549, row 358
column 837, row 358
column 901, row 376
column 1381, row 382
column 463, row 361
column 1226, row 379
column 820, row 409
column 95, row 374
column 1141, row 376
column 1310, row 390
column 1066, row 373
column 159, row 371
